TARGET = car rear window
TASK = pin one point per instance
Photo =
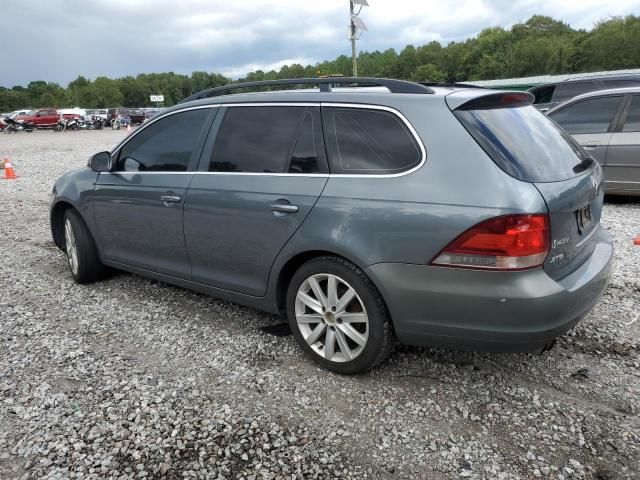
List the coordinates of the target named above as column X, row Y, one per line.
column 524, row 143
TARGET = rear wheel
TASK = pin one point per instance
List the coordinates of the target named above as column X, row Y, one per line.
column 338, row 316
column 81, row 250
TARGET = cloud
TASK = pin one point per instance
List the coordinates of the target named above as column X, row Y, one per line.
column 58, row 40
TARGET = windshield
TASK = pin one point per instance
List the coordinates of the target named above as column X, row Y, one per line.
column 525, row 143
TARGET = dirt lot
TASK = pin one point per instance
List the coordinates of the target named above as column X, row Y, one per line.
column 132, row 378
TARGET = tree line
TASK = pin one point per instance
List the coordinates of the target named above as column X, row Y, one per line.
column 541, row 45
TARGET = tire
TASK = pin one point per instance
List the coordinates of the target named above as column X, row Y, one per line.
column 81, row 251
column 360, row 343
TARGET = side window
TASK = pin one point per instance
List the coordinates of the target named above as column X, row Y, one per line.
column 588, row 116
column 543, row 94
column 164, row 146
column 268, row 140
column 568, row 90
column 632, row 123
column 367, row 141
column 622, row 83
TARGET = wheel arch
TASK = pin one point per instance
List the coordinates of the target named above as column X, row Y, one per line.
column 296, row 261
column 57, row 222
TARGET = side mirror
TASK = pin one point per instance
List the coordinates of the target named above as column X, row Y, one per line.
column 100, row 162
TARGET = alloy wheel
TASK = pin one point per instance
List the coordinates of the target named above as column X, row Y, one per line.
column 331, row 317
column 72, row 249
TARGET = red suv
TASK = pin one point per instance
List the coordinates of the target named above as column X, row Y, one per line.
column 43, row 118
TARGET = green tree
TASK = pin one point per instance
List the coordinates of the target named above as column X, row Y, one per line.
column 428, row 73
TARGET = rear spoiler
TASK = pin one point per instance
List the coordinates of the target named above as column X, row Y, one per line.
column 470, row 100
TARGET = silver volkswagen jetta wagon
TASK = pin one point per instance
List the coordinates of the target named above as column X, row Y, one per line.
column 454, row 217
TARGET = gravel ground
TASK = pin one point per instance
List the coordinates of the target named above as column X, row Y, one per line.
column 132, row 378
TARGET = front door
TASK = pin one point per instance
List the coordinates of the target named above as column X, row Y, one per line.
column 138, row 206
column 623, row 155
column 254, row 188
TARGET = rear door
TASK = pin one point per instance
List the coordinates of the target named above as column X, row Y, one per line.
column 591, row 122
column 138, row 206
column 623, row 155
column 259, row 177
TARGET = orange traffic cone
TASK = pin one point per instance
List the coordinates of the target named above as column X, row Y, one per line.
column 9, row 172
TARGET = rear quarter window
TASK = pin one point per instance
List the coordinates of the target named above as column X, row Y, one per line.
column 369, row 141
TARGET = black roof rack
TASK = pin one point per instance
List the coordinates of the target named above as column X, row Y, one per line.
column 451, row 84
column 394, row 86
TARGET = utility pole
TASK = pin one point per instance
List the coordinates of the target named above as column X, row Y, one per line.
column 354, row 58
column 356, row 27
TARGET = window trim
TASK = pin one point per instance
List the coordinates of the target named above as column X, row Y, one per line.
column 391, row 110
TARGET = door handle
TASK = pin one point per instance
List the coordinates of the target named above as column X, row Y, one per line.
column 591, row 145
column 284, row 208
column 169, row 199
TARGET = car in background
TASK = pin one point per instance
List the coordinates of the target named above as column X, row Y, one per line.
column 71, row 113
column 17, row 113
column 606, row 124
column 135, row 114
column 100, row 114
column 42, row 118
column 551, row 94
column 152, row 112
column 461, row 218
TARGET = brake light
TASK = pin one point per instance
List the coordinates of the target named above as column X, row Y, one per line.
column 510, row 242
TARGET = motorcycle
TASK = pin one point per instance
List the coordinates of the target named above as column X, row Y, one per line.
column 66, row 124
column 17, row 126
column 93, row 122
column 119, row 121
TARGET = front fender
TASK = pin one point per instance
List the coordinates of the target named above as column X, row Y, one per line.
column 73, row 190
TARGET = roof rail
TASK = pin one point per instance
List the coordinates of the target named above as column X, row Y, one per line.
column 602, row 75
column 394, row 86
column 451, row 84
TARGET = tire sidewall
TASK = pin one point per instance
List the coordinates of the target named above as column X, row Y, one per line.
column 89, row 268
column 379, row 324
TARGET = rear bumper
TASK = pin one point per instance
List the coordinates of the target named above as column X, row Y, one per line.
column 490, row 311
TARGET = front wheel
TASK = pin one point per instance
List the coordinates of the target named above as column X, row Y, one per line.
column 338, row 316
column 81, row 250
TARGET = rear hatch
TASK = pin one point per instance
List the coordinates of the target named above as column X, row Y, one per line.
column 532, row 148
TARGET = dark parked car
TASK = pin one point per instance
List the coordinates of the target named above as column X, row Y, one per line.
column 607, row 125
column 552, row 94
column 135, row 114
column 438, row 216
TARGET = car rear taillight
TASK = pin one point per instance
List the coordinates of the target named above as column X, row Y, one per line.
column 510, row 242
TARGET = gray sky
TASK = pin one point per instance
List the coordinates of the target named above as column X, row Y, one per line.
column 57, row 40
